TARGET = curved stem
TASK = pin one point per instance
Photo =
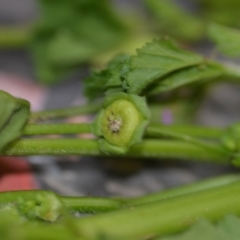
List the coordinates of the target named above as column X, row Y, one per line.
column 186, row 189
column 148, row 148
column 58, row 128
column 164, row 217
column 65, row 112
column 155, row 219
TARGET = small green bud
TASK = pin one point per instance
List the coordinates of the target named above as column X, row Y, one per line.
column 45, row 205
column 121, row 122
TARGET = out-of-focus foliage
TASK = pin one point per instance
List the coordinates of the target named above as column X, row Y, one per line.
column 169, row 18
column 72, row 32
column 227, row 39
column 226, row 229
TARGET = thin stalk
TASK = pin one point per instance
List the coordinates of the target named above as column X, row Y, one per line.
column 152, row 130
column 164, row 217
column 57, row 146
column 158, row 131
column 191, row 130
column 186, row 189
column 14, row 37
column 175, row 149
column 58, row 128
column 171, row 149
column 64, row 112
column 91, row 204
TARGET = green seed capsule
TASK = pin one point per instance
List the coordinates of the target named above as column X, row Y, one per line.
column 121, row 123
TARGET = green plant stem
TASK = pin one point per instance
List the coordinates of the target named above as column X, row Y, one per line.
column 155, row 219
column 186, row 189
column 171, row 149
column 174, row 149
column 58, row 128
column 57, row 146
column 14, row 37
column 163, row 217
column 65, row 112
column 154, row 130
column 80, row 204
column 92, row 204
column 159, row 218
column 159, row 131
column 97, row 204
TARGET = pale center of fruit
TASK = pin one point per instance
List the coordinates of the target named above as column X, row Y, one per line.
column 115, row 125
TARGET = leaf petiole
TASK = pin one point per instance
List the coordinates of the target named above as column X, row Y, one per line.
column 58, row 128
column 65, row 112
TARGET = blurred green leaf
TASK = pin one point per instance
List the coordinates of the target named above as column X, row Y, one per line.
column 175, row 21
column 227, row 229
column 72, row 32
column 14, row 115
column 227, row 39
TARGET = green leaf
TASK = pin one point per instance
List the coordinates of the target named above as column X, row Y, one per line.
column 108, row 79
column 14, row 115
column 227, row 39
column 154, row 61
column 158, row 67
column 72, row 33
column 203, row 72
column 175, row 21
column 227, row 229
